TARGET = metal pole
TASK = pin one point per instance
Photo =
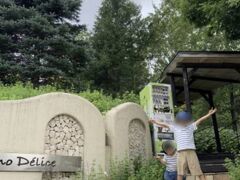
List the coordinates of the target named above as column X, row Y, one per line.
column 186, row 90
column 215, row 125
column 153, row 140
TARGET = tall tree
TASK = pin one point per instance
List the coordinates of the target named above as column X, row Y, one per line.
column 38, row 44
column 221, row 15
column 120, row 41
column 172, row 32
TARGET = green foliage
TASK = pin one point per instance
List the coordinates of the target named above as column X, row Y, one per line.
column 104, row 102
column 120, row 170
column 120, row 40
column 233, row 168
column 205, row 140
column 221, row 15
column 131, row 170
column 37, row 44
column 100, row 100
column 20, row 91
column 150, row 170
column 171, row 32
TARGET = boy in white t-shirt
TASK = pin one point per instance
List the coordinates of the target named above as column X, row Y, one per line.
column 183, row 130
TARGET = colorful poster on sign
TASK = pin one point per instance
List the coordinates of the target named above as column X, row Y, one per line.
column 156, row 99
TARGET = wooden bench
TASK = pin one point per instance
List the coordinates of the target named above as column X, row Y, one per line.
column 214, row 163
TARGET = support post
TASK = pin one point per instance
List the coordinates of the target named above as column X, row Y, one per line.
column 153, row 140
column 172, row 81
column 233, row 112
column 186, row 90
column 215, row 124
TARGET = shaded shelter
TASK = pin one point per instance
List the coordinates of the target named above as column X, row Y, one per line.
column 195, row 74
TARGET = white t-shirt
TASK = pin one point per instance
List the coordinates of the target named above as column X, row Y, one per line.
column 171, row 162
column 183, row 136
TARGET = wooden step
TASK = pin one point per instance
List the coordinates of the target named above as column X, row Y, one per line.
column 213, row 168
column 214, row 163
column 212, row 176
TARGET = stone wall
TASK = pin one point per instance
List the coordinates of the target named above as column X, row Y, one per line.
column 64, row 136
column 128, row 132
column 24, row 123
column 137, row 139
column 65, row 124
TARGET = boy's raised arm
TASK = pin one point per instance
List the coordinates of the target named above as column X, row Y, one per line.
column 211, row 112
column 161, row 124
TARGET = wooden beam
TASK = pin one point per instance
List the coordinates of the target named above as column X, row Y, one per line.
column 208, row 78
column 209, row 98
column 204, row 95
column 195, row 90
column 209, row 65
column 181, row 90
column 174, row 95
column 186, row 90
column 216, row 79
column 215, row 124
column 233, row 111
column 238, row 70
column 190, row 74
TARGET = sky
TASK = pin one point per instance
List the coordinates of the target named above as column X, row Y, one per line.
column 90, row 10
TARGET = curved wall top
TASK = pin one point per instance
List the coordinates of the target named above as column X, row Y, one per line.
column 24, row 122
column 120, row 136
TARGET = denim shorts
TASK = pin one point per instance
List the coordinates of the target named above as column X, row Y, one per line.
column 170, row 175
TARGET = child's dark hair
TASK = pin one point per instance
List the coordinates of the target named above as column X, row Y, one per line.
column 167, row 145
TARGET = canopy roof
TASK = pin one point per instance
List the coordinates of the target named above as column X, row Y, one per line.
column 207, row 71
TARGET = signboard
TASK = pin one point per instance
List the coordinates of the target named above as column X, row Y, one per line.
column 156, row 100
column 39, row 163
column 166, row 135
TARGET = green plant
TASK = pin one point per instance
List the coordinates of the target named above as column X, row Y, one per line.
column 40, row 44
column 151, row 169
column 21, row 91
column 205, row 140
column 121, row 170
column 126, row 169
column 106, row 102
column 233, row 168
column 102, row 101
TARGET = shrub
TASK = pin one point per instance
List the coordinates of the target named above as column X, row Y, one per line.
column 131, row 170
column 151, row 169
column 205, row 140
column 105, row 102
column 20, row 91
column 101, row 101
column 233, row 168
